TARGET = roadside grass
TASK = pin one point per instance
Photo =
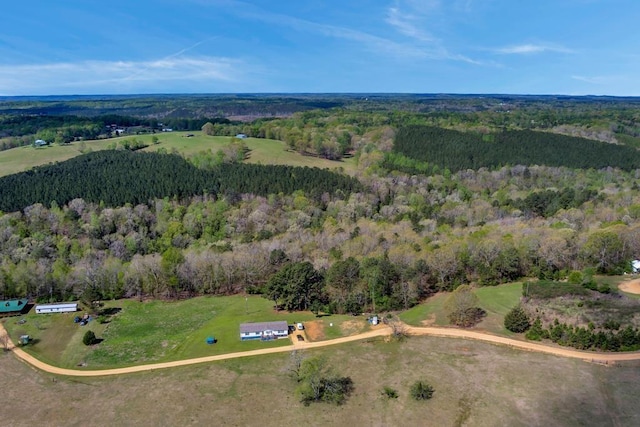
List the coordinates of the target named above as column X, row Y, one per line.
column 158, row 331
column 495, row 300
column 262, row 151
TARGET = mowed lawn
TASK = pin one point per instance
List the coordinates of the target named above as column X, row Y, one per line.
column 158, row 331
column 262, row 151
column 495, row 300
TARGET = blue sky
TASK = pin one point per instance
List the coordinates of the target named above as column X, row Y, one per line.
column 226, row 46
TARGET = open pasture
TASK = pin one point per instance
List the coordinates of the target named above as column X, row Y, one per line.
column 477, row 384
column 262, row 151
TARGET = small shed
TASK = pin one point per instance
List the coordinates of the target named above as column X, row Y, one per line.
column 40, row 142
column 635, row 266
column 24, row 339
column 57, row 308
column 264, row 330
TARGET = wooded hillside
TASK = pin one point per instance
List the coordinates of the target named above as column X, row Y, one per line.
column 457, row 150
column 117, row 177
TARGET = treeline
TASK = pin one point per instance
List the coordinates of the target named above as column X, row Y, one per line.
column 119, row 177
column 586, row 338
column 455, row 150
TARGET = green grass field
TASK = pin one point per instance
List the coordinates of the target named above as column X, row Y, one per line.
column 158, row 331
column 495, row 300
column 262, row 151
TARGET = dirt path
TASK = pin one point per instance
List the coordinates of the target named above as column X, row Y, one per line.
column 380, row 331
column 632, row 286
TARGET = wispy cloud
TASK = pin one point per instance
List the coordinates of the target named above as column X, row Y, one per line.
column 411, row 18
column 118, row 75
column 599, row 80
column 531, row 48
column 406, row 24
column 421, row 44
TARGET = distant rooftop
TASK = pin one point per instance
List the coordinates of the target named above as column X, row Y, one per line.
column 13, row 306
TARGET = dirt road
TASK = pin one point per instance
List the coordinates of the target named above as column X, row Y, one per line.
column 380, row 331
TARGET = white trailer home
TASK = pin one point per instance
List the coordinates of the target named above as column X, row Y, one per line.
column 264, row 330
column 57, row 308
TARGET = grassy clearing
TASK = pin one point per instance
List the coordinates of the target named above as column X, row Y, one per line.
column 430, row 312
column 263, row 151
column 477, row 384
column 158, row 331
column 495, row 300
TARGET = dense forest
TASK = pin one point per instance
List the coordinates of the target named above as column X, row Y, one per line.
column 457, row 150
column 118, row 177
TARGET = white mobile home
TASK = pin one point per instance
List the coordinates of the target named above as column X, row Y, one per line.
column 264, row 330
column 57, row 308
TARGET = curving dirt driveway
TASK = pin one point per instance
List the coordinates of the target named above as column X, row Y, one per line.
column 380, row 331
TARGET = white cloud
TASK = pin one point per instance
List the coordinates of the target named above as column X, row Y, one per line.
column 115, row 76
column 530, row 48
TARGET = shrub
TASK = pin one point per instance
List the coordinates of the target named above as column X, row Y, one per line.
column 89, row 338
column 517, row 320
column 420, row 390
column 389, row 392
column 462, row 307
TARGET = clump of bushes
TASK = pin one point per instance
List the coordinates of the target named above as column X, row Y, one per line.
column 517, row 320
column 89, row 338
column 421, row 390
column 389, row 392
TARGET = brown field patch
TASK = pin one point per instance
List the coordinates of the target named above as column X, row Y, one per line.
column 314, row 330
column 431, row 320
column 351, row 327
column 632, row 287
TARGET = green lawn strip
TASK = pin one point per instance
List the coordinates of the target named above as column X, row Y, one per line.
column 430, row 311
column 497, row 301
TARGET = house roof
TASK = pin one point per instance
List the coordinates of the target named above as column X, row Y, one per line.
column 12, row 306
column 280, row 325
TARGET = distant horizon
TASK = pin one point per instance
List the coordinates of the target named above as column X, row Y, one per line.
column 75, row 47
column 346, row 94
